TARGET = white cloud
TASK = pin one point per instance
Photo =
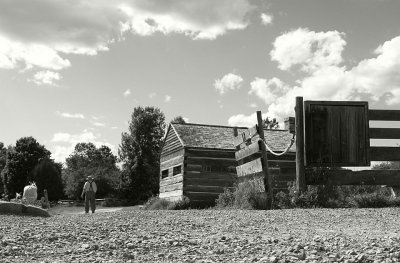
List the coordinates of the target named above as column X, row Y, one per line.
column 152, row 95
column 228, row 82
column 375, row 79
column 46, row 77
column 64, row 143
column 242, row 120
column 266, row 19
column 98, row 124
column 127, row 92
column 167, row 98
column 206, row 19
column 41, row 33
column 253, row 105
column 268, row 90
column 308, row 49
column 71, row 115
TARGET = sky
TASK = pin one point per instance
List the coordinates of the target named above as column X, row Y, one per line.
column 73, row 71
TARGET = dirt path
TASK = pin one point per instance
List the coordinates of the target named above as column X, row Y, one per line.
column 73, row 210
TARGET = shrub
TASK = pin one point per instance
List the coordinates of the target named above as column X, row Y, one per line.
column 182, row 204
column 247, row 195
column 113, row 202
column 156, row 203
column 330, row 196
column 226, row 199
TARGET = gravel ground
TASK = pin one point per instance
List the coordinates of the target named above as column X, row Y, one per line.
column 310, row 235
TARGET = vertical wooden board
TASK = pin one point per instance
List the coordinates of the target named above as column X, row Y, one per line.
column 336, row 133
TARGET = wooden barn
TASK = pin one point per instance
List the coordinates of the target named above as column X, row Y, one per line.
column 198, row 161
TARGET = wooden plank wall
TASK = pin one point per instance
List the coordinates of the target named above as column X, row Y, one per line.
column 172, row 155
column 207, row 174
column 367, row 177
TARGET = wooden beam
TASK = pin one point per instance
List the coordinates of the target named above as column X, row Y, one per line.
column 246, row 135
column 264, row 152
column 247, row 151
column 206, row 188
column 172, row 162
column 384, row 133
column 384, row 115
column 385, row 153
column 211, row 161
column 300, row 175
column 348, row 177
column 252, row 167
column 290, row 124
column 192, row 152
column 171, row 180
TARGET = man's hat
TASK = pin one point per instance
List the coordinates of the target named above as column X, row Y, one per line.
column 89, row 177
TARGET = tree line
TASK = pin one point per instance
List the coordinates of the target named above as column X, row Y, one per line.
column 135, row 180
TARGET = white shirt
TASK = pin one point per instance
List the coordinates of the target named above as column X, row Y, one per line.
column 86, row 187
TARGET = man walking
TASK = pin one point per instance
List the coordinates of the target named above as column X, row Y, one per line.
column 89, row 190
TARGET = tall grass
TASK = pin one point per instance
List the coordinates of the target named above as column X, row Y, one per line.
column 251, row 195
column 247, row 195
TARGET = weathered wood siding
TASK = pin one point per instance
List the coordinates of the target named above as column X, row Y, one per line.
column 171, row 167
column 336, row 133
column 207, row 174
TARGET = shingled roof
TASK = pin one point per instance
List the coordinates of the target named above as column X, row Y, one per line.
column 221, row 137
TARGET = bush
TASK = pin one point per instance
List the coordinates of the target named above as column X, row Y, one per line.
column 113, row 202
column 246, row 195
column 329, row 196
column 156, row 203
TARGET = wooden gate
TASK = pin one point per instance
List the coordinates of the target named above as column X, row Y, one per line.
column 331, row 135
column 251, row 155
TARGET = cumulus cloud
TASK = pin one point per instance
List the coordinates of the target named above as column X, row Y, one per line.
column 71, row 115
column 167, row 98
column 41, row 33
column 266, row 19
column 374, row 79
column 64, row 143
column 46, row 77
column 127, row 92
column 206, row 19
column 308, row 49
column 242, row 120
column 228, row 82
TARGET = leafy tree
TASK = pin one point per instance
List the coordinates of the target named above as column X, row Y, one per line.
column 97, row 162
column 271, row 124
column 3, row 156
column 140, row 153
column 178, row 119
column 20, row 163
column 47, row 174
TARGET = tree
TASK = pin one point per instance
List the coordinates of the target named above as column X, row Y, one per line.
column 47, row 174
column 20, row 163
column 178, row 119
column 97, row 162
column 271, row 124
column 3, row 156
column 140, row 153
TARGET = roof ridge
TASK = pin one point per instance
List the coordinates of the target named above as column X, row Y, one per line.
column 209, row 125
column 222, row 126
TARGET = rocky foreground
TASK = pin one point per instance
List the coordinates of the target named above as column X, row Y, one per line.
column 320, row 235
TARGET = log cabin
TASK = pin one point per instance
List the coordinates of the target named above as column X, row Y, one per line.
column 198, row 161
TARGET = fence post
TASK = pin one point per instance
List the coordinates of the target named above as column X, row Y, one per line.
column 267, row 174
column 300, row 175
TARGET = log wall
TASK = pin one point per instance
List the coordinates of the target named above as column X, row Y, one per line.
column 207, row 174
column 171, row 168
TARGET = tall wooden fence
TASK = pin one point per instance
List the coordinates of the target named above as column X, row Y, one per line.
column 347, row 140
